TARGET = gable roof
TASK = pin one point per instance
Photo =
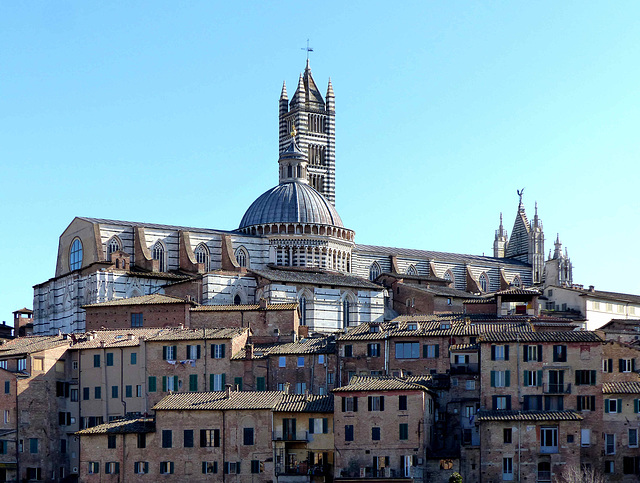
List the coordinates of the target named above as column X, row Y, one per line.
column 313, row 345
column 219, row 401
column 31, row 344
column 561, row 336
column 305, row 403
column 514, row 415
column 382, row 383
column 122, row 426
column 153, row 299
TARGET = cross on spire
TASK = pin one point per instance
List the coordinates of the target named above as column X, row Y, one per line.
column 308, row 49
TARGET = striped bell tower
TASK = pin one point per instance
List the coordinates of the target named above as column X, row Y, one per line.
column 314, row 120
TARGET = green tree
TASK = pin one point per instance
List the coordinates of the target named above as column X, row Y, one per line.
column 455, row 478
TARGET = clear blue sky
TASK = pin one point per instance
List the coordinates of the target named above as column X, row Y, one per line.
column 166, row 112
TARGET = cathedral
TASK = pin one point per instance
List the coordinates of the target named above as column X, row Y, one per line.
column 291, row 246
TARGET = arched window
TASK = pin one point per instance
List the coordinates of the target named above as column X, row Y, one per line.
column 237, row 300
column 157, row 252
column 448, row 276
column 202, row 255
column 113, row 245
column 412, row 270
column 75, row 255
column 374, row 271
column 484, row 283
column 516, row 281
column 345, row 313
column 289, row 171
column 302, row 301
column 243, row 257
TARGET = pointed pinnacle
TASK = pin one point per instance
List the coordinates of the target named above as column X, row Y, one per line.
column 283, row 95
column 330, row 89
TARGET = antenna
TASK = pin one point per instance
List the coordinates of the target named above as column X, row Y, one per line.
column 307, row 48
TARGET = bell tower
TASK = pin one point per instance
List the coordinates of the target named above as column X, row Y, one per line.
column 314, row 120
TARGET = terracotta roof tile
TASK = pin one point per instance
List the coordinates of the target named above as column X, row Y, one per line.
column 631, row 387
column 382, row 383
column 296, row 276
column 197, row 334
column 463, row 347
column 31, row 344
column 218, row 401
column 119, row 426
column 302, row 403
column 561, row 336
column 111, row 338
column 314, row 345
column 513, row 415
column 153, row 299
column 224, row 308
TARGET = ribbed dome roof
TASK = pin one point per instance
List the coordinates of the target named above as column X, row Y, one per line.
column 291, row 202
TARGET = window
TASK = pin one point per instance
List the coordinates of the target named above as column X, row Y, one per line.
column 94, row 467
column 549, row 439
column 499, row 352
column 483, row 282
column 330, row 377
column 507, row 469
column 374, row 271
column 532, row 378
column 157, row 253
column 256, row 466
column 75, row 255
column 349, row 404
column 301, row 387
column 193, row 382
column 136, row 320
column 111, row 441
column 373, row 350
column 209, row 438
column 170, row 383
column 96, row 360
column 261, row 384
column 633, row 437
column 470, row 385
column 501, row 402
column 348, row 350
column 217, row 382
column 22, row 364
column 407, row 350
column 613, row 405
column 585, row 378
column 243, row 257
column 209, row 467
column 231, row 468
column 33, row 445
column 585, row 437
column 167, row 438
column 300, row 361
column 626, row 365
column 345, row 313
column 112, row 468
column 544, row 471
column 609, row 443
column 586, row 403
column 3, row 364
column 3, row 446
column 607, row 365
column 431, row 351
column 202, row 255
column 248, row 437
column 532, row 353
column 318, row 425
column 38, row 364
column 376, row 403
column 141, row 440
column 375, row 433
column 631, row 465
column 402, row 403
column 559, row 353
column 507, row 435
column 166, row 467
column 97, row 392
column 218, row 351
column 532, row 403
column 152, row 384
column 6, row 416
column 188, row 438
column 609, row 467
column 113, row 245
column 141, row 467
column 134, row 358
column 109, row 358
column 403, row 430
column 169, row 352
column 139, row 390
column 348, row 432
column 85, row 393
column 500, row 378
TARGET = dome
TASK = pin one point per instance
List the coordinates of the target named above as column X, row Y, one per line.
column 291, row 202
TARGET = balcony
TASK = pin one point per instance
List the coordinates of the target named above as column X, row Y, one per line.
column 544, row 476
column 303, row 469
column 552, row 388
column 548, row 449
column 290, row 436
column 464, row 369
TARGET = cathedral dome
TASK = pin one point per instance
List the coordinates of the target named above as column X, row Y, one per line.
column 291, row 202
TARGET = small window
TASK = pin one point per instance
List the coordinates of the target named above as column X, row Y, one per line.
column 112, row 468
column 111, row 441
column 483, row 282
column 75, row 255
column 209, row 467
column 374, row 271
column 94, row 467
column 242, row 257
column 202, row 255
column 348, row 432
column 166, row 467
column 403, row 430
column 375, row 433
column 109, row 358
column 402, row 403
column 300, row 361
column 282, row 361
column 507, row 469
column 248, row 437
column 167, row 438
column 609, row 443
column 136, row 320
column 507, row 435
column 141, row 467
column 134, row 358
column 633, row 437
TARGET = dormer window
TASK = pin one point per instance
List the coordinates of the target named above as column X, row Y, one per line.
column 374, row 328
column 412, row 326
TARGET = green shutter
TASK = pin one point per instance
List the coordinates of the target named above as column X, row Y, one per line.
column 260, row 384
column 152, row 383
column 175, row 383
column 507, row 378
column 164, row 352
column 606, row 405
column 493, row 378
column 224, row 379
column 193, row 382
column 164, row 383
column 437, row 350
column 619, row 405
column 310, row 425
column 526, row 378
column 223, row 347
column 539, row 381
column 211, row 382
column 636, row 406
column 237, row 381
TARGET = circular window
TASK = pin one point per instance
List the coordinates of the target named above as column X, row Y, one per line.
column 75, row 255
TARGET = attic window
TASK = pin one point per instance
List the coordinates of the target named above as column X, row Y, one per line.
column 412, row 326
column 445, row 325
column 374, row 328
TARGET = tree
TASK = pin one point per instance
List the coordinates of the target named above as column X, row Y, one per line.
column 574, row 474
column 455, row 478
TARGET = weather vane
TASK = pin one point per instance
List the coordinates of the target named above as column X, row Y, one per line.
column 307, row 48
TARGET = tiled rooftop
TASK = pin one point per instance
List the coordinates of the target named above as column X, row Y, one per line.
column 513, row 415
column 31, row 344
column 137, row 425
column 153, row 299
column 197, row 334
column 314, row 278
column 302, row 403
column 314, row 345
column 217, row 401
column 561, row 336
column 631, row 387
column 246, row 307
column 383, row 383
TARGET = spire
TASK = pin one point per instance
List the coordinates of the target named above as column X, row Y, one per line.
column 283, row 94
column 293, row 162
column 330, row 90
column 300, row 96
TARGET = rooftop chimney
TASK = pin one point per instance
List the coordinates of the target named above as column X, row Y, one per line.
column 249, row 351
column 228, row 388
column 592, row 288
column 262, row 303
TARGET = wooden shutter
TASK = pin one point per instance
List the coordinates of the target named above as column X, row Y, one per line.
column 506, row 352
column 525, row 353
column 381, row 403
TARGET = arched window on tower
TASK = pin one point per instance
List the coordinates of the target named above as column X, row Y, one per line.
column 289, row 171
column 412, row 270
column 75, row 255
column 345, row 313
column 517, row 282
column 242, row 256
column 303, row 310
column 202, row 255
column 158, row 253
column 113, row 245
column 484, row 282
column 374, row 271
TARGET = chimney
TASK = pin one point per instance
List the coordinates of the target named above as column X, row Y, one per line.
column 102, row 343
column 592, row 288
column 249, row 351
column 287, row 386
column 262, row 303
column 228, row 387
column 130, row 336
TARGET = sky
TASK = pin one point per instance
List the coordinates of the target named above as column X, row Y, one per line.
column 167, row 112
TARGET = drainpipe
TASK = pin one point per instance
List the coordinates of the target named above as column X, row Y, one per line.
column 17, row 434
column 124, row 403
column 519, row 396
column 386, row 353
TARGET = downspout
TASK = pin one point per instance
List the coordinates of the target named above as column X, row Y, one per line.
column 519, row 411
column 124, row 403
column 206, row 357
column 122, row 464
column 386, row 353
column 224, row 456
column 17, row 434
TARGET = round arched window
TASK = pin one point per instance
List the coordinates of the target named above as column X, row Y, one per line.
column 75, row 255
column 483, row 282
